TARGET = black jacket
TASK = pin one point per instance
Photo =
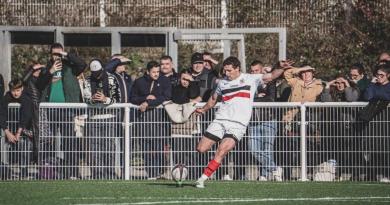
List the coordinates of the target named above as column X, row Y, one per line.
column 182, row 95
column 206, row 82
column 142, row 87
column 25, row 111
column 264, row 114
column 124, row 80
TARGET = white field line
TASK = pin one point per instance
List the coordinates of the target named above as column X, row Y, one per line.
column 236, row 200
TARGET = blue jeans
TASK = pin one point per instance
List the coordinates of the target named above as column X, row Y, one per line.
column 261, row 144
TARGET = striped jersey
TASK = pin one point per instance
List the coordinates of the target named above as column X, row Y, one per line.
column 237, row 97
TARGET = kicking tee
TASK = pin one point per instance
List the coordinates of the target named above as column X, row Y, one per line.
column 237, row 98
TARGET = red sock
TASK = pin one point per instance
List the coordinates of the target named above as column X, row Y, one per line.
column 211, row 168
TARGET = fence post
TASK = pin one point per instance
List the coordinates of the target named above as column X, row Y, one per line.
column 303, row 143
column 127, row 143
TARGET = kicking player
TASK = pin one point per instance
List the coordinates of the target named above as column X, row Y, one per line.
column 237, row 91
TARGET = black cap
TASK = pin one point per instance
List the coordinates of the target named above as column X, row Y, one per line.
column 197, row 58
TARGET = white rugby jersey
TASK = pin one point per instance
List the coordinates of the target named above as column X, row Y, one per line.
column 237, row 97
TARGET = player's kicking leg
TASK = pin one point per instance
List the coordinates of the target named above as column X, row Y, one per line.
column 223, row 149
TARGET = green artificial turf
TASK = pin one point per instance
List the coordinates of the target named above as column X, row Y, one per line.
column 166, row 192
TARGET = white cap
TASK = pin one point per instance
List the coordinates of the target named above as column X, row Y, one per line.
column 95, row 65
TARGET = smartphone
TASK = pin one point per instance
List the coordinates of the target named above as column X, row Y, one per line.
column 99, row 90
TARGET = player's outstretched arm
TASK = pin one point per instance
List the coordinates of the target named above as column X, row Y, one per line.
column 210, row 104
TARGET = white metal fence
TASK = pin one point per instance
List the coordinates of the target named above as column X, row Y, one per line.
column 284, row 141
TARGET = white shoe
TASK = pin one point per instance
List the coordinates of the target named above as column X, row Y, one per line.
column 199, row 184
column 263, row 179
column 226, row 177
column 384, row 180
column 277, row 175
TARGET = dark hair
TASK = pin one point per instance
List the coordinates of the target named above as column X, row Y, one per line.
column 383, row 67
column 206, row 53
column 151, row 65
column 256, row 62
column 357, row 66
column 185, row 71
column 56, row 45
column 166, row 57
column 15, row 84
column 232, row 61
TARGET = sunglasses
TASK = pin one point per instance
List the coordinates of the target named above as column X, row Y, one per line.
column 379, row 75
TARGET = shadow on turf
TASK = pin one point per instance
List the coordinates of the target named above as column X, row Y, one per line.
column 170, row 184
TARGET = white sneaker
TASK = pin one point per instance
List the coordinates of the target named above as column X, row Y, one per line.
column 384, row 180
column 277, row 175
column 199, row 184
column 226, row 177
column 263, row 179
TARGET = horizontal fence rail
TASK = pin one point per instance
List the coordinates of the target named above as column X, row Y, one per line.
column 284, row 142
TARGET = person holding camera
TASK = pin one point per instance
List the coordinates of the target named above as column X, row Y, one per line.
column 58, row 83
column 59, row 78
column 101, row 88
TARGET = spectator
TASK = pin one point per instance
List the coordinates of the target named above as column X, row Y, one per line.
column 204, row 77
column 184, row 96
column 283, row 89
column 211, row 64
column 152, row 89
column 339, row 90
column 187, row 91
column 117, row 66
column 263, row 127
column 34, row 92
column 383, row 58
column 304, row 88
column 359, row 78
column 17, row 94
column 59, row 82
column 376, row 148
column 59, row 78
column 379, row 89
column 19, row 136
column 168, row 71
column 101, row 88
column 148, row 92
column 338, row 124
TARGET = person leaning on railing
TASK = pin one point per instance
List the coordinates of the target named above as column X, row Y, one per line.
column 19, row 139
column 378, row 96
column 150, row 91
column 101, row 88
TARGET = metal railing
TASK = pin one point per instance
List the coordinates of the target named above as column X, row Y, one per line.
column 284, row 141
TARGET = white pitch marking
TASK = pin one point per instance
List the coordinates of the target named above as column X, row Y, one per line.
column 225, row 200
